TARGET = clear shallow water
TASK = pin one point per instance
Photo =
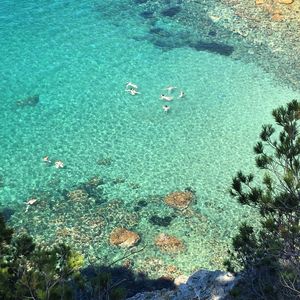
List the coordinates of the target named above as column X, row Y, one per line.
column 77, row 56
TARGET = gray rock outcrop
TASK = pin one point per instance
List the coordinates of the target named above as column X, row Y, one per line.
column 204, row 285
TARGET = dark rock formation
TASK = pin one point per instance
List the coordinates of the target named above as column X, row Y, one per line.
column 140, row 1
column 222, row 49
column 171, row 12
column 147, row 14
column 203, row 284
column 161, row 221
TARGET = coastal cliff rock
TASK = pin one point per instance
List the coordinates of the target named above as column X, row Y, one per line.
column 204, row 285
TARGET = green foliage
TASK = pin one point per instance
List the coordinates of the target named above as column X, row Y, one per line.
column 103, row 287
column 35, row 271
column 5, row 236
column 23, row 245
column 75, row 261
column 30, row 271
column 117, row 293
column 272, row 252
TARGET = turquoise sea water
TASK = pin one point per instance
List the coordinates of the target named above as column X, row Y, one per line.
column 78, row 56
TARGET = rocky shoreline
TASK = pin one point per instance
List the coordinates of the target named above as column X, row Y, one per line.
column 264, row 32
column 204, row 285
column 270, row 28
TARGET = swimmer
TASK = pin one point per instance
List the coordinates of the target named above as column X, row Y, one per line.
column 132, row 85
column 59, row 164
column 46, row 159
column 181, row 95
column 29, row 203
column 170, row 88
column 166, row 98
column 166, row 108
column 133, row 92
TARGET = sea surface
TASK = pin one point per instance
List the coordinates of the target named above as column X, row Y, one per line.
column 76, row 58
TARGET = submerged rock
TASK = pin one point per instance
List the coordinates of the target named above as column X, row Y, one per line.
column 180, row 200
column 140, row 1
column 222, row 49
column 78, row 195
column 118, row 180
column 1, row 181
column 106, row 161
column 147, row 14
column 7, row 213
column 95, row 181
column 168, row 243
column 123, row 237
column 212, row 33
column 171, row 12
column 161, row 221
column 140, row 205
column 29, row 101
column 285, row 1
column 259, row 2
column 277, row 17
column 159, row 31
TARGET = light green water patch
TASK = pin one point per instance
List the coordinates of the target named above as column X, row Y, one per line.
column 79, row 65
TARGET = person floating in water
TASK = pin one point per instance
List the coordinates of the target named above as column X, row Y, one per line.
column 181, row 95
column 131, row 85
column 59, row 164
column 29, row 203
column 166, row 108
column 46, row 160
column 132, row 91
column 166, row 98
column 170, row 88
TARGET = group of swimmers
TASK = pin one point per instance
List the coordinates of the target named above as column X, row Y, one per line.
column 132, row 89
column 58, row 164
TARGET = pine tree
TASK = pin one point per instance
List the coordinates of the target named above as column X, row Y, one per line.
column 269, row 256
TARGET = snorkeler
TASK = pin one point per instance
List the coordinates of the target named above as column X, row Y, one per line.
column 181, row 95
column 46, row 160
column 132, row 91
column 59, row 164
column 132, row 85
column 166, row 108
column 170, row 88
column 29, row 203
column 166, row 98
